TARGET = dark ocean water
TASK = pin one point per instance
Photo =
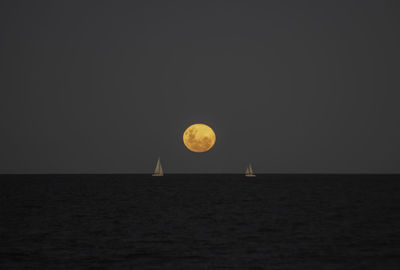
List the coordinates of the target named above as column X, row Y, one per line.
column 199, row 222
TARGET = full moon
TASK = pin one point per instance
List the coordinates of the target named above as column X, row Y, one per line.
column 199, row 138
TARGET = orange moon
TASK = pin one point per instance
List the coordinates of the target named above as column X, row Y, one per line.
column 199, row 138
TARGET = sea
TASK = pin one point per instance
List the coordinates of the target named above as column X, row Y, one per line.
column 203, row 221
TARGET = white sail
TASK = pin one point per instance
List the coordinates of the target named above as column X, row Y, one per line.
column 249, row 171
column 158, row 170
column 161, row 172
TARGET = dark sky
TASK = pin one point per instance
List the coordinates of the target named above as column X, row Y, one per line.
column 108, row 86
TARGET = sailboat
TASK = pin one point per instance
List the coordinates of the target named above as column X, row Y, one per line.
column 158, row 170
column 249, row 171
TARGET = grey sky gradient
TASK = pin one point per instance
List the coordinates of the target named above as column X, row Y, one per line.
column 108, row 86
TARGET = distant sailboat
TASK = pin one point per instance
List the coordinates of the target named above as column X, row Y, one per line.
column 158, row 171
column 249, row 171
